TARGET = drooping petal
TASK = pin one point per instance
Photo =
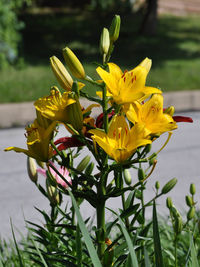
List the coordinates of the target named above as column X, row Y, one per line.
column 182, row 119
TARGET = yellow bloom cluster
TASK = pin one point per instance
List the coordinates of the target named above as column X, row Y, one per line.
column 141, row 105
column 138, row 110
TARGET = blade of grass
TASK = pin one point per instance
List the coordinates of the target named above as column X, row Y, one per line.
column 129, row 243
column 146, row 258
column 91, row 249
column 16, row 246
column 156, row 239
column 194, row 259
column 78, row 247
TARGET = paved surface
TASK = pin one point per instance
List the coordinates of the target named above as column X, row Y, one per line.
column 18, row 195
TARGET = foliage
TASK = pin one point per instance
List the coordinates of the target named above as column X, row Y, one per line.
column 117, row 142
column 10, row 28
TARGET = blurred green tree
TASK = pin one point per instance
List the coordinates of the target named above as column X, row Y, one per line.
column 10, row 28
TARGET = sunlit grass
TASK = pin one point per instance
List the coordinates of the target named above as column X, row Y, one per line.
column 174, row 50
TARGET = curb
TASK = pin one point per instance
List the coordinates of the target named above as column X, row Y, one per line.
column 21, row 114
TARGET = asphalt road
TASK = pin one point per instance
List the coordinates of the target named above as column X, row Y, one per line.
column 18, row 195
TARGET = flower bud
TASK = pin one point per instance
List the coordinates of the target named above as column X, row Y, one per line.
column 115, row 28
column 178, row 225
column 53, row 193
column 73, row 63
column 169, row 202
column 192, row 189
column 157, row 185
column 32, row 169
column 146, row 63
column 83, row 164
column 169, row 186
column 191, row 213
column 75, row 115
column 89, row 168
column 127, row 176
column 147, row 148
column 189, row 201
column 141, row 174
column 104, row 41
column 62, row 75
column 170, row 110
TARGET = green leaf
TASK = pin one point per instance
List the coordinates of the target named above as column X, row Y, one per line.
column 91, row 249
column 78, row 246
column 194, row 259
column 130, row 199
column 146, row 258
column 129, row 243
column 156, row 239
column 16, row 246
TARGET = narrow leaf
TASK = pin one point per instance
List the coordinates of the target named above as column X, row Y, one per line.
column 78, row 246
column 16, row 246
column 130, row 244
column 146, row 258
column 194, row 259
column 156, row 239
column 91, row 249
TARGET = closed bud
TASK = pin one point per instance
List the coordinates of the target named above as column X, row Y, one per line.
column 138, row 194
column 169, row 203
column 115, row 28
column 52, row 193
column 75, row 115
column 141, row 174
column 175, row 212
column 32, row 169
column 62, row 75
column 73, row 63
column 178, row 225
column 147, row 148
column 104, row 41
column 152, row 159
column 192, row 189
column 191, row 213
column 157, row 185
column 189, row 201
column 127, row 176
column 169, row 186
column 83, row 164
column 89, row 168
column 146, row 63
column 170, row 110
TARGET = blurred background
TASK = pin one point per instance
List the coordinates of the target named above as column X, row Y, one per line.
column 167, row 31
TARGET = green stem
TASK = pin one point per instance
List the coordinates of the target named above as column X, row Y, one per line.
column 123, row 199
column 175, row 251
column 100, row 210
column 105, row 115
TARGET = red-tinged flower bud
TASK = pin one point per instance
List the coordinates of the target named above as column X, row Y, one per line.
column 182, row 119
column 99, row 120
column 67, row 142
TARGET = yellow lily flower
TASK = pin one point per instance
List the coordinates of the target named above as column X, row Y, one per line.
column 121, row 142
column 54, row 107
column 129, row 86
column 151, row 115
column 38, row 139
